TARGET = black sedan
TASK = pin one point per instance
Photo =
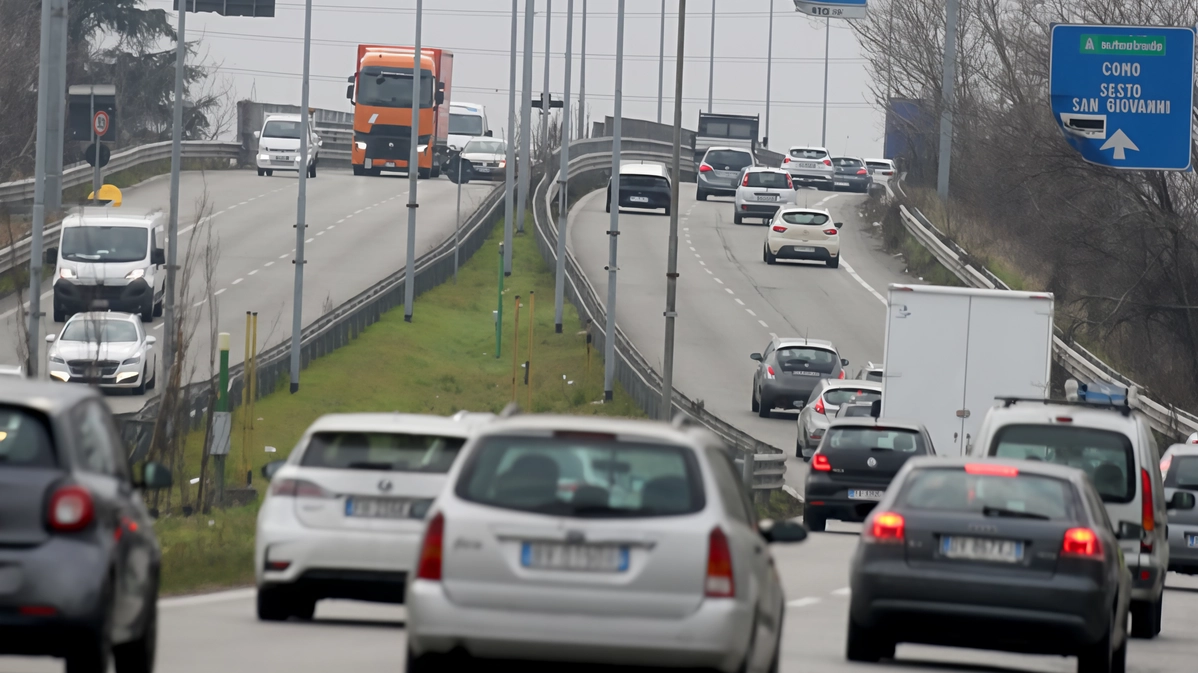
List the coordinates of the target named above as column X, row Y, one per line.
column 851, row 175
column 1004, row 555
column 79, row 561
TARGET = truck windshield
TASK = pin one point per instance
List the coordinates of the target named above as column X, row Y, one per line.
column 281, row 129
column 104, row 244
column 712, row 128
column 465, row 125
column 483, row 146
column 392, row 87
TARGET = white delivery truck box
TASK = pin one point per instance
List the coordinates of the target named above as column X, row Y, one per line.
column 951, row 351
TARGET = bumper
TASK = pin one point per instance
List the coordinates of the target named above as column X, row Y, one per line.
column 717, row 186
column 715, row 636
column 490, row 173
column 651, row 202
column 1147, row 576
column 1048, row 615
column 1182, row 557
column 853, row 183
column 131, row 297
column 126, row 377
column 65, row 575
column 267, row 163
column 814, row 252
column 794, row 395
column 754, row 209
column 811, row 180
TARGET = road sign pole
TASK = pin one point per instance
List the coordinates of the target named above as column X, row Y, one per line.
column 509, row 166
column 525, row 121
column 172, row 232
column 947, row 99
column 409, row 284
column 613, row 235
column 563, row 182
column 583, row 131
column 667, row 378
column 97, row 179
column 301, row 208
column 769, row 73
column 823, row 138
column 711, row 62
column 547, row 96
column 661, row 60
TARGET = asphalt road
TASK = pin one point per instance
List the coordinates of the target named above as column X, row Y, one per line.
column 357, row 236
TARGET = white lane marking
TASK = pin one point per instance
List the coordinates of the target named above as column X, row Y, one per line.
column 802, row 602
column 692, row 247
column 321, row 233
column 222, row 290
column 864, row 284
column 715, row 279
column 792, row 492
column 313, row 239
column 697, row 254
column 268, row 264
column 359, row 212
column 750, row 312
column 232, row 207
column 159, row 325
column 773, row 336
column 729, row 290
column 284, row 256
column 740, row 302
column 329, row 227
column 763, row 324
column 245, row 202
column 842, row 591
column 341, row 220
column 707, row 270
column 204, row 599
column 701, row 262
column 684, row 228
column 205, row 301
column 826, row 199
column 253, row 272
column 238, row 281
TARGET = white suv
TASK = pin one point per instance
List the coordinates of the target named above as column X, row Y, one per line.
column 810, row 166
column 279, row 145
column 345, row 511
column 1096, row 430
column 762, row 192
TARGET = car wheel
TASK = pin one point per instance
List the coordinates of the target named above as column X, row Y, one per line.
column 158, row 308
column 147, row 311
column 269, row 172
column 141, row 386
column 436, row 173
column 770, row 258
column 776, row 662
column 833, row 263
column 815, row 520
column 424, row 173
column 92, row 651
column 303, row 608
column 153, row 382
column 1146, row 618
column 764, row 407
column 312, row 171
column 272, row 604
column 754, row 404
column 667, row 213
column 737, row 218
column 607, row 203
column 700, row 196
column 261, row 172
column 59, row 314
column 863, row 644
column 137, row 656
column 1096, row 658
column 425, row 663
column 1119, row 659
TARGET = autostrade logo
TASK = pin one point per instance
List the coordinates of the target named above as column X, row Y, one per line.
column 1127, row 45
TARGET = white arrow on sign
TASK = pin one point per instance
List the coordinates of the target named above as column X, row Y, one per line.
column 1119, row 142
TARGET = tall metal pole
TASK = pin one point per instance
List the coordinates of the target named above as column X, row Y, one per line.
column 667, row 378
column 56, row 105
column 525, row 118
column 609, row 339
column 948, row 99
column 563, row 199
column 409, row 285
column 172, row 232
column 457, row 223
column 96, row 179
column 583, row 131
column 39, row 194
column 823, row 138
column 661, row 60
column 509, row 166
column 545, row 91
column 711, row 61
column 301, row 209
column 769, row 73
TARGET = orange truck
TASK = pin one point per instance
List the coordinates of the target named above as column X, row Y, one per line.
column 381, row 92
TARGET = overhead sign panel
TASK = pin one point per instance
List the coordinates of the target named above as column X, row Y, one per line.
column 1123, row 95
column 832, row 9
column 257, row 8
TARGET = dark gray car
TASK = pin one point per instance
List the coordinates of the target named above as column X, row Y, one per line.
column 79, row 561
column 1008, row 555
column 851, row 175
column 1180, row 468
column 789, row 369
column 719, row 171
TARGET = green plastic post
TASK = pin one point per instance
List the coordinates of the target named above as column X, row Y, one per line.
column 499, row 310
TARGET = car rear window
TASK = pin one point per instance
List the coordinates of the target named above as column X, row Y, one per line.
column 808, row 154
column 396, row 452
column 644, row 181
column 877, row 164
column 955, row 490
column 1183, row 472
column 583, row 476
column 847, row 162
column 801, row 217
column 839, row 396
column 855, row 411
column 799, row 358
column 729, row 160
column 853, row 438
column 24, row 440
column 873, row 376
column 768, row 180
column 1105, row 456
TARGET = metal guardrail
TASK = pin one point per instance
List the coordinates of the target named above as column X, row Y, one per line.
column 1079, row 362
column 633, row 371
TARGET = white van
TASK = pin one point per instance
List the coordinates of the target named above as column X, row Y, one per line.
column 466, row 121
column 1096, row 430
column 109, row 259
column 279, row 144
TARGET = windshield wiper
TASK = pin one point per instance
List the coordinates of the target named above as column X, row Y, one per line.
column 1014, row 514
column 371, row 466
column 880, row 448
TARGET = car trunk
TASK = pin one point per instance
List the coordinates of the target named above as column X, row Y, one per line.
column 24, row 496
column 802, row 363
column 853, row 466
column 367, row 500
column 996, row 546
column 806, row 233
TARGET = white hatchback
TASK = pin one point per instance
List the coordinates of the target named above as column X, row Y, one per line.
column 762, row 192
column 803, row 234
column 345, row 511
column 660, row 562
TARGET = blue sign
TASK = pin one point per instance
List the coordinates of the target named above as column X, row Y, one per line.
column 1123, row 95
column 832, row 9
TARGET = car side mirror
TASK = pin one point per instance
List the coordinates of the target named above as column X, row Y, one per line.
column 320, row 143
column 158, row 256
column 782, row 531
column 257, row 135
column 1129, row 531
column 51, row 256
column 151, row 339
column 269, row 469
column 838, row 224
column 875, row 408
column 50, row 338
column 154, row 477
column 440, row 97
column 755, row 356
column 1181, row 500
column 490, row 133
column 844, row 362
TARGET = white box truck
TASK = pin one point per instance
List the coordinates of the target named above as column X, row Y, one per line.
column 951, row 351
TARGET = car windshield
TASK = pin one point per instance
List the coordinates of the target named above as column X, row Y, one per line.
column 279, row 128
column 804, row 217
column 391, row 451
column 644, row 182
column 464, row 124
column 847, row 162
column 728, row 160
column 854, row 438
column 484, row 147
column 1183, row 473
column 583, row 476
column 105, row 244
column 95, row 330
column 392, row 87
column 808, row 153
column 24, row 440
column 769, row 180
column 1105, row 456
column 799, row 358
column 955, row 490
column 839, row 396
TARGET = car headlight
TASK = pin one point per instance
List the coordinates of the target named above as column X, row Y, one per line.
column 264, row 157
column 66, row 273
column 503, row 164
column 57, row 360
column 132, row 361
column 360, row 145
column 135, row 274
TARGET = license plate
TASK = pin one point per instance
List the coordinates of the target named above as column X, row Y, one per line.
column 639, row 199
column 378, row 508
column 859, row 494
column 390, row 164
column 767, row 197
column 482, row 169
column 280, row 158
column 804, row 164
column 1192, row 540
column 799, row 248
column 981, row 549
column 574, row 557
column 842, row 184
column 807, row 374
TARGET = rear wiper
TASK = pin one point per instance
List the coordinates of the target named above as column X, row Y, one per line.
column 371, row 466
column 880, row 448
column 1015, row 514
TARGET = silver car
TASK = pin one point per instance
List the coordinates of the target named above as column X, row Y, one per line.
column 487, row 157
column 871, row 372
column 1179, row 466
column 720, row 170
column 810, row 167
column 110, row 350
column 822, row 406
column 661, row 563
column 760, row 192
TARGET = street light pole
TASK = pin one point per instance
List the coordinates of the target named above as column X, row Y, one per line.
column 409, row 284
column 39, row 193
column 711, row 61
column 525, row 117
column 661, row 60
column 172, row 232
column 563, row 215
column 583, row 131
column 545, row 91
column 948, row 99
column 823, row 138
column 609, row 339
column 301, row 209
column 509, row 166
column 667, row 379
column 769, row 73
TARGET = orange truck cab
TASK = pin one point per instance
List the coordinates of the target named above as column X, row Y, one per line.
column 381, row 93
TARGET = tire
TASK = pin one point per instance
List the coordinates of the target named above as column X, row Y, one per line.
column 736, row 218
column 153, row 382
column 770, row 258
column 818, row 523
column 1119, row 660
column 424, row 173
column 764, row 408
column 358, row 170
column 158, row 308
column 607, row 204
column 833, row 263
column 261, row 172
column 147, row 311
column 272, row 604
column 1146, row 618
column 141, row 387
column 436, row 171
column 303, row 608
column 137, row 656
column 427, row 663
column 59, row 314
column 667, row 213
column 864, row 645
column 700, row 196
column 269, row 172
column 753, row 402
column 92, row 652
column 1096, row 658
column 312, row 171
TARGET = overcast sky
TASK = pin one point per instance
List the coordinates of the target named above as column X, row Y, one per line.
column 263, row 58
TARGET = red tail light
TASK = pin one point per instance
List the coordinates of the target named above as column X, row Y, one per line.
column 841, row 374
column 704, row 168
column 745, row 183
column 1165, row 463
column 820, row 463
column 885, row 528
column 831, row 231
column 991, row 470
column 1147, row 510
column 819, row 406
column 861, row 171
column 71, row 509
column 298, row 488
column 789, row 183
column 1081, row 542
column 769, row 371
column 786, row 160
column 430, row 552
column 781, row 229
column 720, row 583
column 827, row 162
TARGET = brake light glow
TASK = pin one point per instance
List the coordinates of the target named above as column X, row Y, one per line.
column 886, row 528
column 38, row 611
column 789, row 183
column 990, row 470
column 769, row 372
column 841, row 374
column 1064, row 419
column 781, row 229
column 786, row 160
column 1081, row 542
column 704, row 168
column 429, row 567
column 298, row 488
column 745, row 183
column 720, row 583
column 1147, row 510
column 819, row 405
column 827, row 162
column 861, row 171
column 71, row 509
column 831, row 231
column 820, row 463
column 278, row 566
column 1165, row 463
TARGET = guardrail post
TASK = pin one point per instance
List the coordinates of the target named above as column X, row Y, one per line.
column 750, row 467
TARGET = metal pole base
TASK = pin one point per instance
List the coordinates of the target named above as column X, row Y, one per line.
column 557, row 328
column 407, row 318
column 294, row 388
column 608, row 396
column 506, row 274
